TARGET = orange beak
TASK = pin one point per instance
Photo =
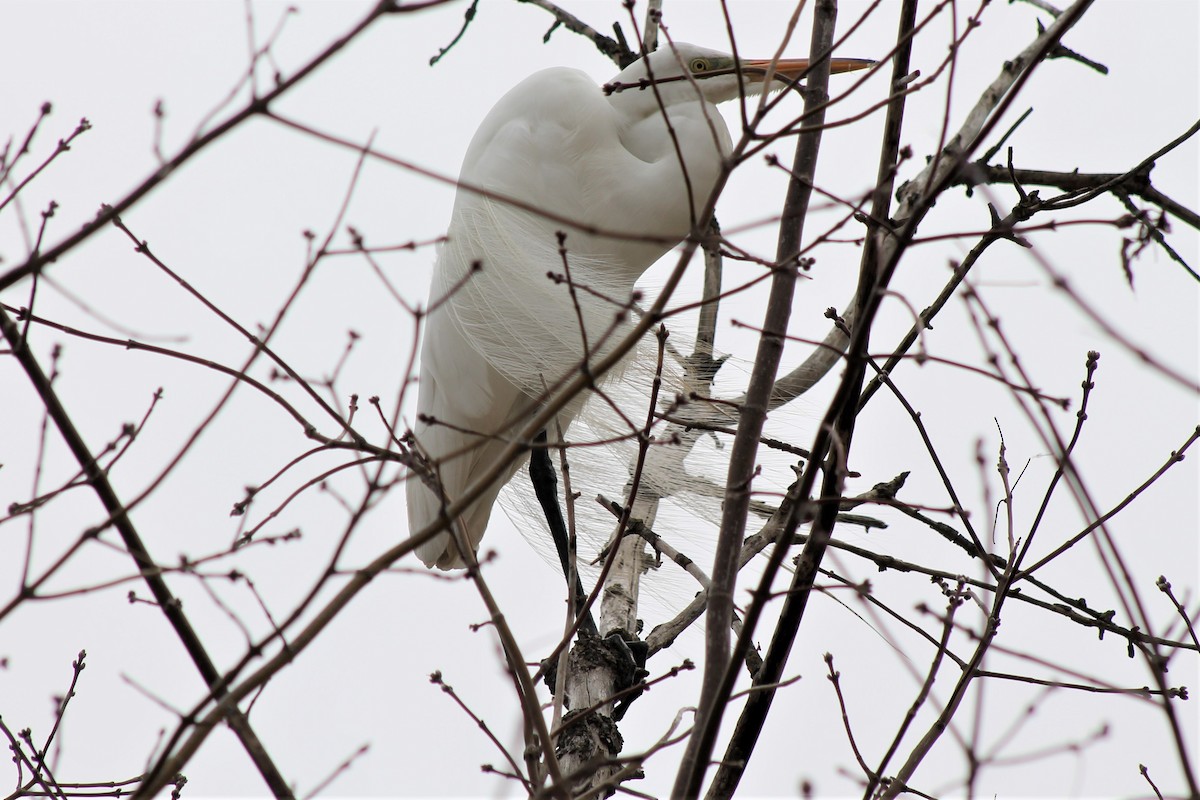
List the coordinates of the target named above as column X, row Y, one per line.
column 791, row 69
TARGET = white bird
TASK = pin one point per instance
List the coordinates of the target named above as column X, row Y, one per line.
column 606, row 161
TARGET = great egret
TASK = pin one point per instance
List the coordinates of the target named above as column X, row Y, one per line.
column 501, row 331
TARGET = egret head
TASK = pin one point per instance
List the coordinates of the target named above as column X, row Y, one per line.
column 677, row 72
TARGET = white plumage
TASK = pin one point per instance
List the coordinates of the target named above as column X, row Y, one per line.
column 610, row 164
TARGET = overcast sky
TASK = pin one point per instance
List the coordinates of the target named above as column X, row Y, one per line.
column 231, row 223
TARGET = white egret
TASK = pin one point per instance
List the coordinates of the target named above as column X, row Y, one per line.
column 609, row 163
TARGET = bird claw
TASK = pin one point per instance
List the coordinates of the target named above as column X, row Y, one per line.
column 620, row 653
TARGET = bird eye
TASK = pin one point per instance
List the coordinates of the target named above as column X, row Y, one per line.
column 698, row 65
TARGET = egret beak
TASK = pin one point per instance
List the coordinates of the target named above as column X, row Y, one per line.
column 791, row 69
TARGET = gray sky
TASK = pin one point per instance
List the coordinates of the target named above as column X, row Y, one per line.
column 231, row 223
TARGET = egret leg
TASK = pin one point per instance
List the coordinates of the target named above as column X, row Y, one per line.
column 545, row 485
